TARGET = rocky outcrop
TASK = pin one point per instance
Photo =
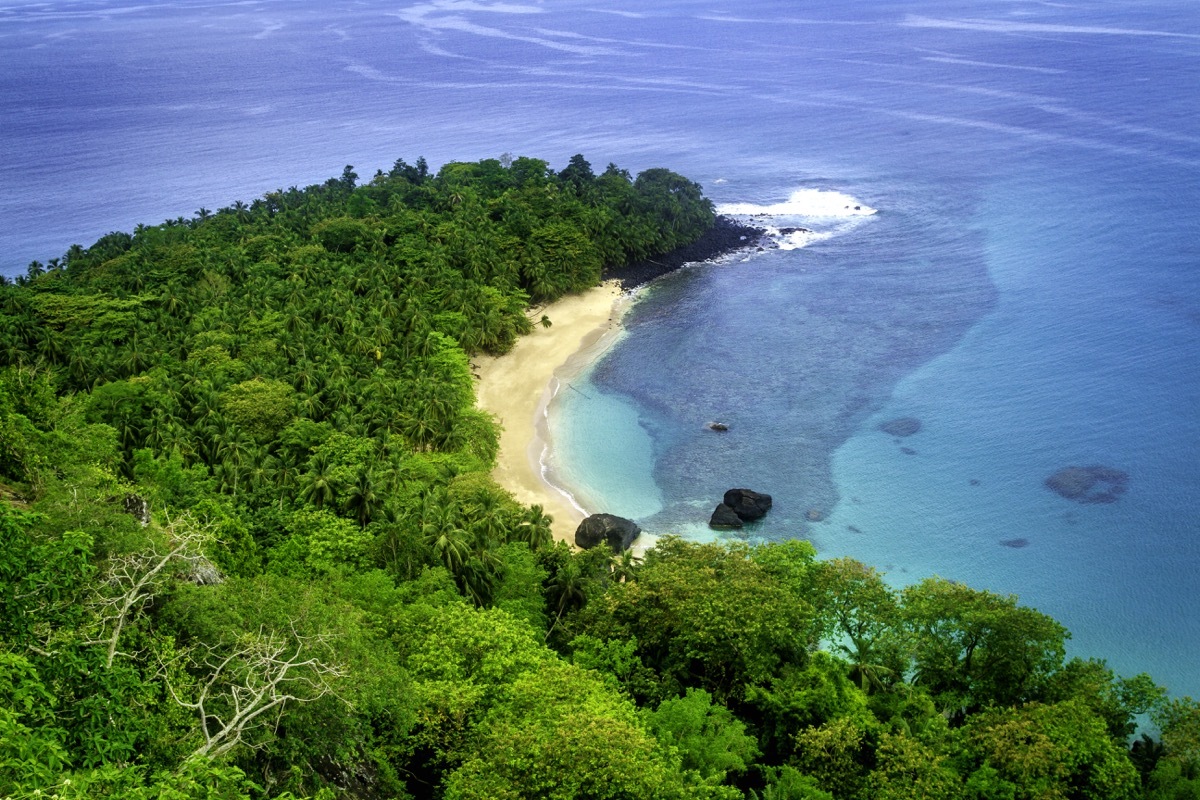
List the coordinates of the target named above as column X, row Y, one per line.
column 1094, row 484
column 726, row 235
column 724, row 518
column 749, row 505
column 138, row 507
column 720, row 427
column 901, row 426
column 617, row 532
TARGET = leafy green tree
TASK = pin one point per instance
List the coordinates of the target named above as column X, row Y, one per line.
column 1177, row 770
column 907, row 768
column 1117, row 700
column 712, row 742
column 559, row 733
column 799, row 697
column 839, row 755
column 706, row 616
column 262, row 408
column 864, row 615
column 1052, row 751
column 788, row 783
column 972, row 648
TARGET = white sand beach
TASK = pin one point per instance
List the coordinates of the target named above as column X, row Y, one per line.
column 517, row 387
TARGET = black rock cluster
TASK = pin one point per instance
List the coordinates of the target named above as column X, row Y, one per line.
column 726, row 235
column 738, row 507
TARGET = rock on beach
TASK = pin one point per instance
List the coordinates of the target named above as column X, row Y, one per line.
column 617, row 532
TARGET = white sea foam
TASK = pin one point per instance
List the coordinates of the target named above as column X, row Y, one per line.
column 803, row 203
column 970, row 62
column 794, row 240
column 1006, row 26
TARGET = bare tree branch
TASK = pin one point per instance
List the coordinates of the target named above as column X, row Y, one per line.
column 131, row 578
column 258, row 677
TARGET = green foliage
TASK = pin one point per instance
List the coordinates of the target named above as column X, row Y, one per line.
column 706, row 616
column 863, row 615
column 519, row 588
column 973, row 648
column 711, row 741
column 1052, row 751
column 1179, row 721
column 838, row 754
column 1115, row 699
column 261, row 408
column 560, row 733
column 801, row 697
column 42, row 583
column 907, row 768
column 320, row 542
column 788, row 783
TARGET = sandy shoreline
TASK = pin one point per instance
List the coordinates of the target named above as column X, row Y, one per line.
column 517, row 387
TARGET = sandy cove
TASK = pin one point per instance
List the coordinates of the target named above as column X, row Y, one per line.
column 518, row 386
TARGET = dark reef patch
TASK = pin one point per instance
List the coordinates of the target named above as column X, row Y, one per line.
column 1094, row 484
column 902, row 426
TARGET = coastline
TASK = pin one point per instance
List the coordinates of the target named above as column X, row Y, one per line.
column 517, row 387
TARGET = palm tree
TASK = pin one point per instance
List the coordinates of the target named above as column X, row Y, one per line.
column 318, row 484
column 625, row 567
column 568, row 590
column 477, row 580
column 235, row 452
column 362, row 500
column 446, row 538
column 135, row 360
column 52, row 348
column 535, row 529
column 287, row 467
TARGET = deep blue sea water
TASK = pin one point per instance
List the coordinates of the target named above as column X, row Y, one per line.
column 1029, row 288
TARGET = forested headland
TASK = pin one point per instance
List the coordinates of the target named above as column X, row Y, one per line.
column 250, row 548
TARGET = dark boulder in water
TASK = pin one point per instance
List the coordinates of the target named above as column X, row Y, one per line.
column 724, row 518
column 902, row 426
column 1094, row 484
column 617, row 532
column 748, row 504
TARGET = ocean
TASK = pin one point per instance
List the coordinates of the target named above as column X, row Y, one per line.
column 1027, row 287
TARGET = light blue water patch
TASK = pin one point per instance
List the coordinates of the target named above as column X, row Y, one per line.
column 604, row 458
column 1078, row 365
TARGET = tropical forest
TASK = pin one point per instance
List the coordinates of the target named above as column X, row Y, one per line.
column 250, row 546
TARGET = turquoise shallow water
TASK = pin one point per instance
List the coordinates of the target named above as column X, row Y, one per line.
column 1085, row 354
column 1029, row 288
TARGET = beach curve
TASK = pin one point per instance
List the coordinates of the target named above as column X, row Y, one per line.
column 517, row 387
